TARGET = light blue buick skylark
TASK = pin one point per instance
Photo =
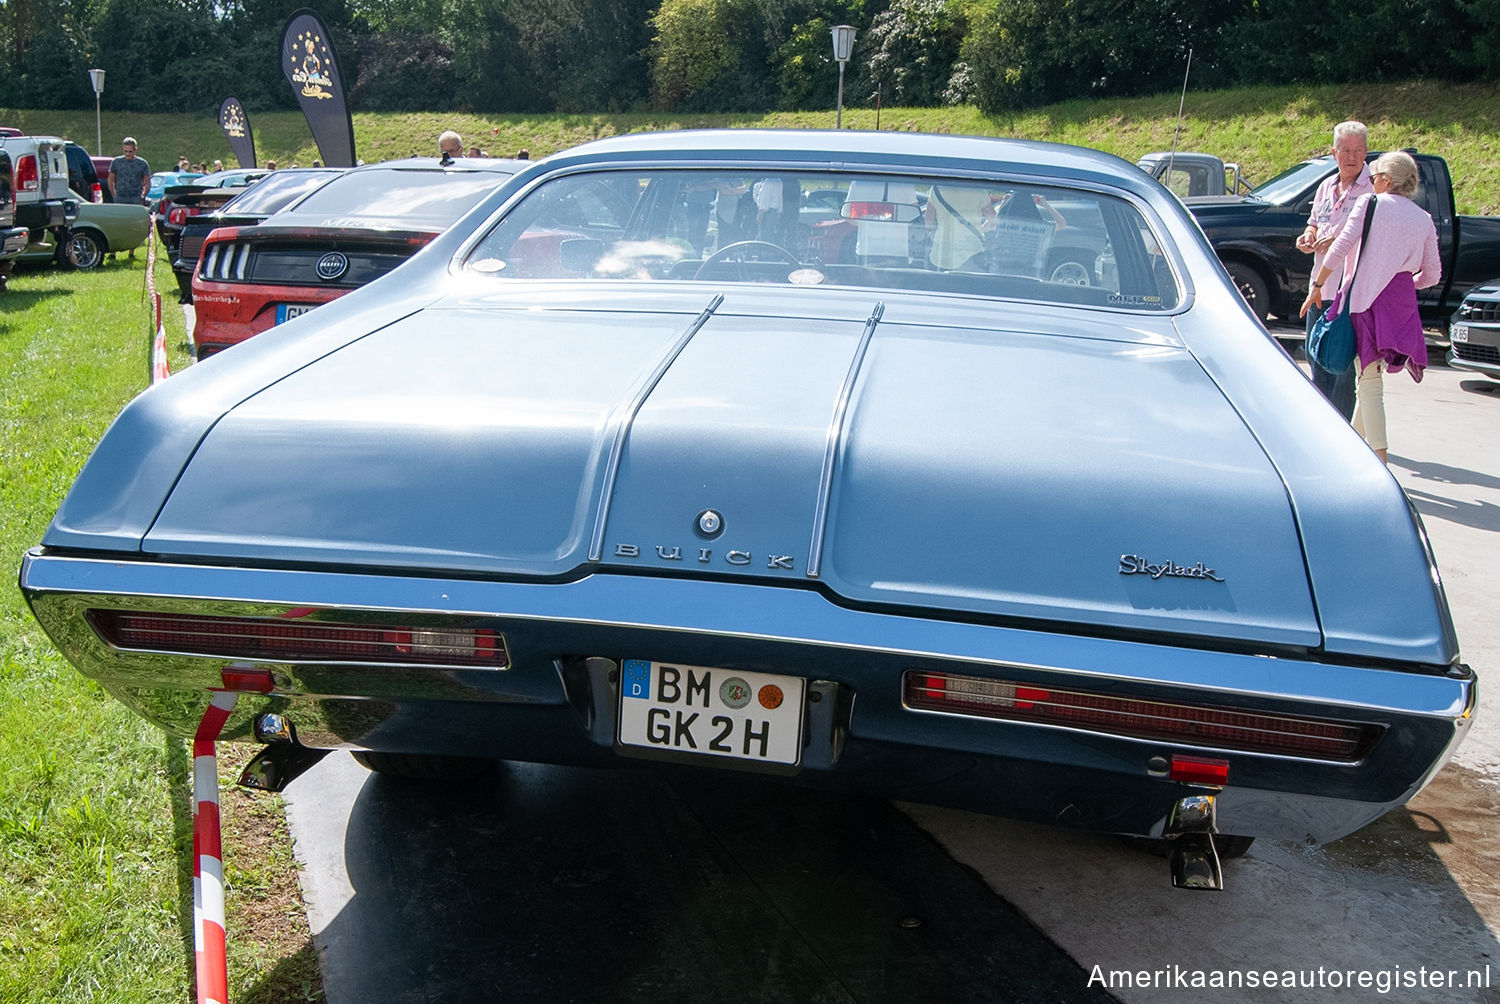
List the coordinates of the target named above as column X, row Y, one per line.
column 945, row 468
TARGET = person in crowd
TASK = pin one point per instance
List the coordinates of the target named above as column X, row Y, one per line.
column 450, row 146
column 1400, row 257
column 1331, row 207
column 218, row 166
column 734, row 212
column 270, row 165
column 959, row 217
column 523, row 154
column 129, row 176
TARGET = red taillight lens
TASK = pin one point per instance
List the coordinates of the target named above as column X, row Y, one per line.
column 1199, row 770
column 1202, row 725
column 98, row 194
column 300, row 640
column 178, row 216
column 27, row 179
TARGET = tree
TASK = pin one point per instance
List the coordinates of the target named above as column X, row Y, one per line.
column 913, row 46
column 1025, row 52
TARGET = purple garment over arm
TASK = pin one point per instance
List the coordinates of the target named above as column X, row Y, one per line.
column 1392, row 329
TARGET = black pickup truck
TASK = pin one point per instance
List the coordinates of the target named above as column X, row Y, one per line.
column 1256, row 239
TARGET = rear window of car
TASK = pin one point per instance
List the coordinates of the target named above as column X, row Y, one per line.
column 980, row 237
column 409, row 195
column 276, row 191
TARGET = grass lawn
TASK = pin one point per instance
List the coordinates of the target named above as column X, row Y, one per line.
column 95, row 810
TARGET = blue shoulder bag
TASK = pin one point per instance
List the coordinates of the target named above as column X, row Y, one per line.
column 1331, row 341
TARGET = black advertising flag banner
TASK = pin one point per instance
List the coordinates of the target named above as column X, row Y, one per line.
column 310, row 64
column 236, row 126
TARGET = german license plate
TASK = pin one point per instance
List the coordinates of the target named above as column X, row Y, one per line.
column 1459, row 333
column 286, row 311
column 712, row 712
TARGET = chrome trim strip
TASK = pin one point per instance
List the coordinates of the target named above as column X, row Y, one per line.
column 716, row 608
column 625, row 421
column 835, row 439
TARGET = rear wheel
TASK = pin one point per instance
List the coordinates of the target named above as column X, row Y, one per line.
column 1251, row 286
column 86, row 248
column 425, row 767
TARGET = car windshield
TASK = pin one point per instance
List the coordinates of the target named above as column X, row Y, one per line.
column 409, row 195
column 1292, row 182
column 276, row 191
column 986, row 238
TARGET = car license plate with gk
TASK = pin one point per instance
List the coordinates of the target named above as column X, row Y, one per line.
column 1459, row 333
column 711, row 712
column 286, row 311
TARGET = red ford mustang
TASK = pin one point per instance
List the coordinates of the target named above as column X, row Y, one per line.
column 353, row 230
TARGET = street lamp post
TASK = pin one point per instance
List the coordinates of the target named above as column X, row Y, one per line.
column 843, row 45
column 96, row 77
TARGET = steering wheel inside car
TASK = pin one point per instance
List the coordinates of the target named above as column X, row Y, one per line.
column 738, row 254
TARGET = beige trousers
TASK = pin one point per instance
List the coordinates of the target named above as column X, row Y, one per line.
column 1369, row 405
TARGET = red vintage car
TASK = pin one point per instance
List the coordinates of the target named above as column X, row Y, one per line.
column 345, row 234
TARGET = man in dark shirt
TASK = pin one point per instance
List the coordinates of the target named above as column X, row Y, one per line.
column 129, row 176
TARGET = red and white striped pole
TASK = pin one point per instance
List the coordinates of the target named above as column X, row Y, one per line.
column 208, row 856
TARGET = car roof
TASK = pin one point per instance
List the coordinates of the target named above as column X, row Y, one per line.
column 979, row 153
column 501, row 165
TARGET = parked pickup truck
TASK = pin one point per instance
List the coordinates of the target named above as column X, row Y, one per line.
column 1194, row 174
column 1255, row 237
column 44, row 204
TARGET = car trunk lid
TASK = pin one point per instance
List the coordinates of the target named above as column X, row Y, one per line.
column 986, row 465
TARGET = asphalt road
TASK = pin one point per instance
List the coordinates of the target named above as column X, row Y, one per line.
column 555, row 884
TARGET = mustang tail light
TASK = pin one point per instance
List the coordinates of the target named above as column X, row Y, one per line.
column 27, row 178
column 96, row 194
column 178, row 215
column 224, row 260
column 301, row 640
column 1197, row 724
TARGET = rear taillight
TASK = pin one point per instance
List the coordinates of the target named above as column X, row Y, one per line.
column 284, row 639
column 27, row 179
column 98, row 194
column 178, row 216
column 1194, row 724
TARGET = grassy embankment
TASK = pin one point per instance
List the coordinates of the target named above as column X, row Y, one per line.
column 1265, row 129
column 95, row 840
column 95, row 892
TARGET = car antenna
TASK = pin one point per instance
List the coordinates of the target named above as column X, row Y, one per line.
column 1180, row 103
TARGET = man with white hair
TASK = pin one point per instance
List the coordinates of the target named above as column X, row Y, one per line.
column 450, row 146
column 1330, row 209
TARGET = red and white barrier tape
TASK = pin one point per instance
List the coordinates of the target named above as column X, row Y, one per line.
column 208, row 856
column 160, row 367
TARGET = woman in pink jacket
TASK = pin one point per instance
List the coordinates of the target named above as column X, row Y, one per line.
column 1402, row 257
